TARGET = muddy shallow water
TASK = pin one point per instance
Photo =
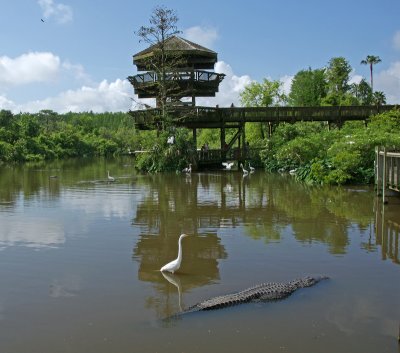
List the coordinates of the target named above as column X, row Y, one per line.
column 80, row 259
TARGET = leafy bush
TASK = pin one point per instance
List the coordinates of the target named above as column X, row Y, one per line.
column 335, row 156
column 162, row 156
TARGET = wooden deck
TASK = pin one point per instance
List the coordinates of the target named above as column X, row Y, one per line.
column 215, row 117
column 387, row 170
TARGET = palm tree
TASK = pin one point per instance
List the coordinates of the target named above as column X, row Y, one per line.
column 379, row 98
column 371, row 60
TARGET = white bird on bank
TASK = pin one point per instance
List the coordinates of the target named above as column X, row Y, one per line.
column 109, row 177
column 187, row 169
column 175, row 264
column 245, row 171
column 228, row 165
column 252, row 169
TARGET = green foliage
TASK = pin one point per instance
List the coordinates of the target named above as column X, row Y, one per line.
column 265, row 94
column 48, row 135
column 161, row 156
column 331, row 157
column 338, row 75
column 308, row 88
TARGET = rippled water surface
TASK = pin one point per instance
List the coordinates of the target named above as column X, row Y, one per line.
column 80, row 259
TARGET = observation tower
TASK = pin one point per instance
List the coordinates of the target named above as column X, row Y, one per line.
column 177, row 71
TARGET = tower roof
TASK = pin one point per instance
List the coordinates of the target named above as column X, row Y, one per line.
column 194, row 54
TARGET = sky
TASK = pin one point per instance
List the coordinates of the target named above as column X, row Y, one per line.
column 78, row 58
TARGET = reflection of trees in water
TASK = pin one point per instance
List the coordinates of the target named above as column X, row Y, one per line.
column 324, row 214
column 32, row 180
column 265, row 205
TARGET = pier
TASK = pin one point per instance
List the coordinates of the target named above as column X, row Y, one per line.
column 387, row 171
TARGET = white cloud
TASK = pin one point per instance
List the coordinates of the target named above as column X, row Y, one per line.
column 60, row 12
column 355, row 78
column 77, row 71
column 6, row 104
column 229, row 88
column 105, row 97
column 388, row 81
column 43, row 232
column 205, row 36
column 28, row 68
column 286, row 83
column 118, row 95
column 396, row 40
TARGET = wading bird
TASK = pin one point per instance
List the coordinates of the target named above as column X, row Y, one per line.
column 187, row 169
column 245, row 171
column 175, row 264
column 252, row 169
column 228, row 165
column 109, row 177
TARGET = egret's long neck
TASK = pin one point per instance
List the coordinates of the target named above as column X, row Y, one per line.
column 180, row 249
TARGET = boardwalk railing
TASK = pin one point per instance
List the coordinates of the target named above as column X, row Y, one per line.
column 387, row 170
column 217, row 117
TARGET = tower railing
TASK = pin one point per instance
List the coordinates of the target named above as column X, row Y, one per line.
column 187, row 75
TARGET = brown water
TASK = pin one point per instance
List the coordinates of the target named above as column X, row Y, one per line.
column 79, row 260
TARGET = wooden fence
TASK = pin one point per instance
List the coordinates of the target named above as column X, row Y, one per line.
column 387, row 170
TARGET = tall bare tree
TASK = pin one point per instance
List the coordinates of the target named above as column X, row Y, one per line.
column 163, row 25
column 371, row 60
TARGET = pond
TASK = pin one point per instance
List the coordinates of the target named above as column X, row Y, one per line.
column 80, row 259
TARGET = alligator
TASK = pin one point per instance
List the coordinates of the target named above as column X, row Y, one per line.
column 263, row 292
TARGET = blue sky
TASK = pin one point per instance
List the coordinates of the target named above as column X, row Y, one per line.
column 79, row 57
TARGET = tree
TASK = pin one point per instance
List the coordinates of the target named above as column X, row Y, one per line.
column 371, row 60
column 265, row 94
column 308, row 88
column 378, row 98
column 162, row 26
column 362, row 91
column 338, row 76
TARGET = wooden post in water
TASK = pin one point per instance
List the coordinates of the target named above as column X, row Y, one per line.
column 384, row 175
column 377, row 170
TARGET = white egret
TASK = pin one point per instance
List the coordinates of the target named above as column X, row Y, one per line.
column 245, row 171
column 109, row 177
column 187, row 169
column 228, row 165
column 175, row 264
column 252, row 169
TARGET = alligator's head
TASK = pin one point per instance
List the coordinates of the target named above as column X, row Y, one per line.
column 310, row 281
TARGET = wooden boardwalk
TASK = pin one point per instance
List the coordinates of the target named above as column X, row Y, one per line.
column 387, row 170
column 215, row 117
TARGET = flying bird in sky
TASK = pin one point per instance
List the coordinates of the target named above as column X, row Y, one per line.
column 42, row 19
